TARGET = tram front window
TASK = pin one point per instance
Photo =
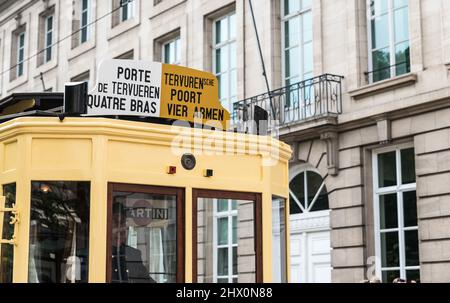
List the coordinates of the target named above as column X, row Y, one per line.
column 143, row 238
column 59, row 232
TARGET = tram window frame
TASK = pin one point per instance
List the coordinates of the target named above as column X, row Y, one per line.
column 180, row 224
column 256, row 198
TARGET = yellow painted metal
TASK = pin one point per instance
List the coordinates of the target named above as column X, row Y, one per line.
column 106, row 150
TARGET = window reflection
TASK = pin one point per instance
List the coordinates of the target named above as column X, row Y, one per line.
column 143, row 242
column 59, row 232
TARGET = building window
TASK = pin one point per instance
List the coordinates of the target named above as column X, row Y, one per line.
column 48, row 38
column 308, row 193
column 388, row 39
column 127, row 10
column 395, row 203
column 6, row 250
column 172, row 51
column 20, row 53
column 225, row 242
column 297, row 41
column 84, row 28
column 59, row 232
column 224, row 59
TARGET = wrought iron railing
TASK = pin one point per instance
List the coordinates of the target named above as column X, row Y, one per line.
column 316, row 97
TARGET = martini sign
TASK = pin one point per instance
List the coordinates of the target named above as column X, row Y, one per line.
column 153, row 89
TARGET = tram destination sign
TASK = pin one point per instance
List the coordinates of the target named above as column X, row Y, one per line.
column 153, row 89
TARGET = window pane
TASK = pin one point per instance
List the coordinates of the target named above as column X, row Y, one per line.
column 235, row 261
column 307, row 27
column 292, row 62
column 50, row 23
column 388, row 211
column 297, row 186
column 7, row 251
column 292, row 32
column 408, row 166
column 178, row 51
column 278, row 240
column 378, row 6
column 293, row 206
column 291, row 6
column 233, row 204
column 387, row 175
column 219, row 262
column 167, row 58
column 222, row 231
column 401, row 24
column 389, row 249
column 322, row 201
column 22, row 40
column 307, row 57
column 412, row 248
column 389, row 276
column 413, row 275
column 402, row 58
column 221, row 280
column 234, row 229
column 410, row 208
column 232, row 22
column 222, row 261
column 380, row 30
column 221, row 30
column 59, row 232
column 381, row 64
column 400, row 3
column 233, row 56
column 306, row 4
column 144, row 238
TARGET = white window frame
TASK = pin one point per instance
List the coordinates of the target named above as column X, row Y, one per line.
column 391, row 29
column 48, row 47
column 399, row 189
column 300, row 44
column 177, row 47
column 215, row 47
column 88, row 17
column 230, row 213
column 131, row 10
column 20, row 48
column 308, row 206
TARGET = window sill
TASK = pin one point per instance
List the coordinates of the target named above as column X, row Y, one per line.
column 43, row 68
column 82, row 48
column 382, row 86
column 123, row 27
column 18, row 82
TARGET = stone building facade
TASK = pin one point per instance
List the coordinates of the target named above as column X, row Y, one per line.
column 371, row 139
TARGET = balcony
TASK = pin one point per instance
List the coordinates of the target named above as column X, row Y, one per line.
column 312, row 99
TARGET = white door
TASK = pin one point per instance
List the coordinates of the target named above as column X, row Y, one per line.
column 310, row 248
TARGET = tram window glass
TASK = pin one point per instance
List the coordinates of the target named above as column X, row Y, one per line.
column 226, row 251
column 143, row 238
column 59, row 232
column 6, row 250
column 279, row 240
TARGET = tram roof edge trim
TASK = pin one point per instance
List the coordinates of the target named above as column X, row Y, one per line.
column 165, row 134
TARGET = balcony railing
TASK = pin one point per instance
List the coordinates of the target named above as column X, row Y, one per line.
column 313, row 98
